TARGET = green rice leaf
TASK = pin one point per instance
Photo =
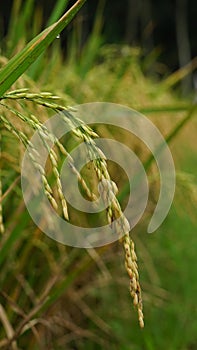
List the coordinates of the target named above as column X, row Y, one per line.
column 21, row 61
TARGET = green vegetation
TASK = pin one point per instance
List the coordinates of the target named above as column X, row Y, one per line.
column 57, row 297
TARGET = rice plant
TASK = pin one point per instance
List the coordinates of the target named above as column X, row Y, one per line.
column 44, row 285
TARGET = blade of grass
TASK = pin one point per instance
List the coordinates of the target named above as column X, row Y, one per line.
column 162, row 109
column 37, row 68
column 94, row 42
column 177, row 76
column 13, row 237
column 19, row 19
column 19, row 63
column 59, row 8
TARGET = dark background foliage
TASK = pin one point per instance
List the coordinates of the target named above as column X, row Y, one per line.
column 148, row 23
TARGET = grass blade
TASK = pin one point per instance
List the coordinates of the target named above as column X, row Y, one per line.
column 19, row 63
column 59, row 8
column 20, row 15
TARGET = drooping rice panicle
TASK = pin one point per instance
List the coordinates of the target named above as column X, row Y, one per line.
column 108, row 188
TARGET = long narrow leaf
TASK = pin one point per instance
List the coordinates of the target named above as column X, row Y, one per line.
column 59, row 8
column 19, row 63
column 20, row 16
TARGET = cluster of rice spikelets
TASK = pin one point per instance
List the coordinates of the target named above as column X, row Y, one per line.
column 121, row 226
column 108, row 188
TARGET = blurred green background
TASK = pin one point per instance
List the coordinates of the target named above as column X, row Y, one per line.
column 56, row 297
